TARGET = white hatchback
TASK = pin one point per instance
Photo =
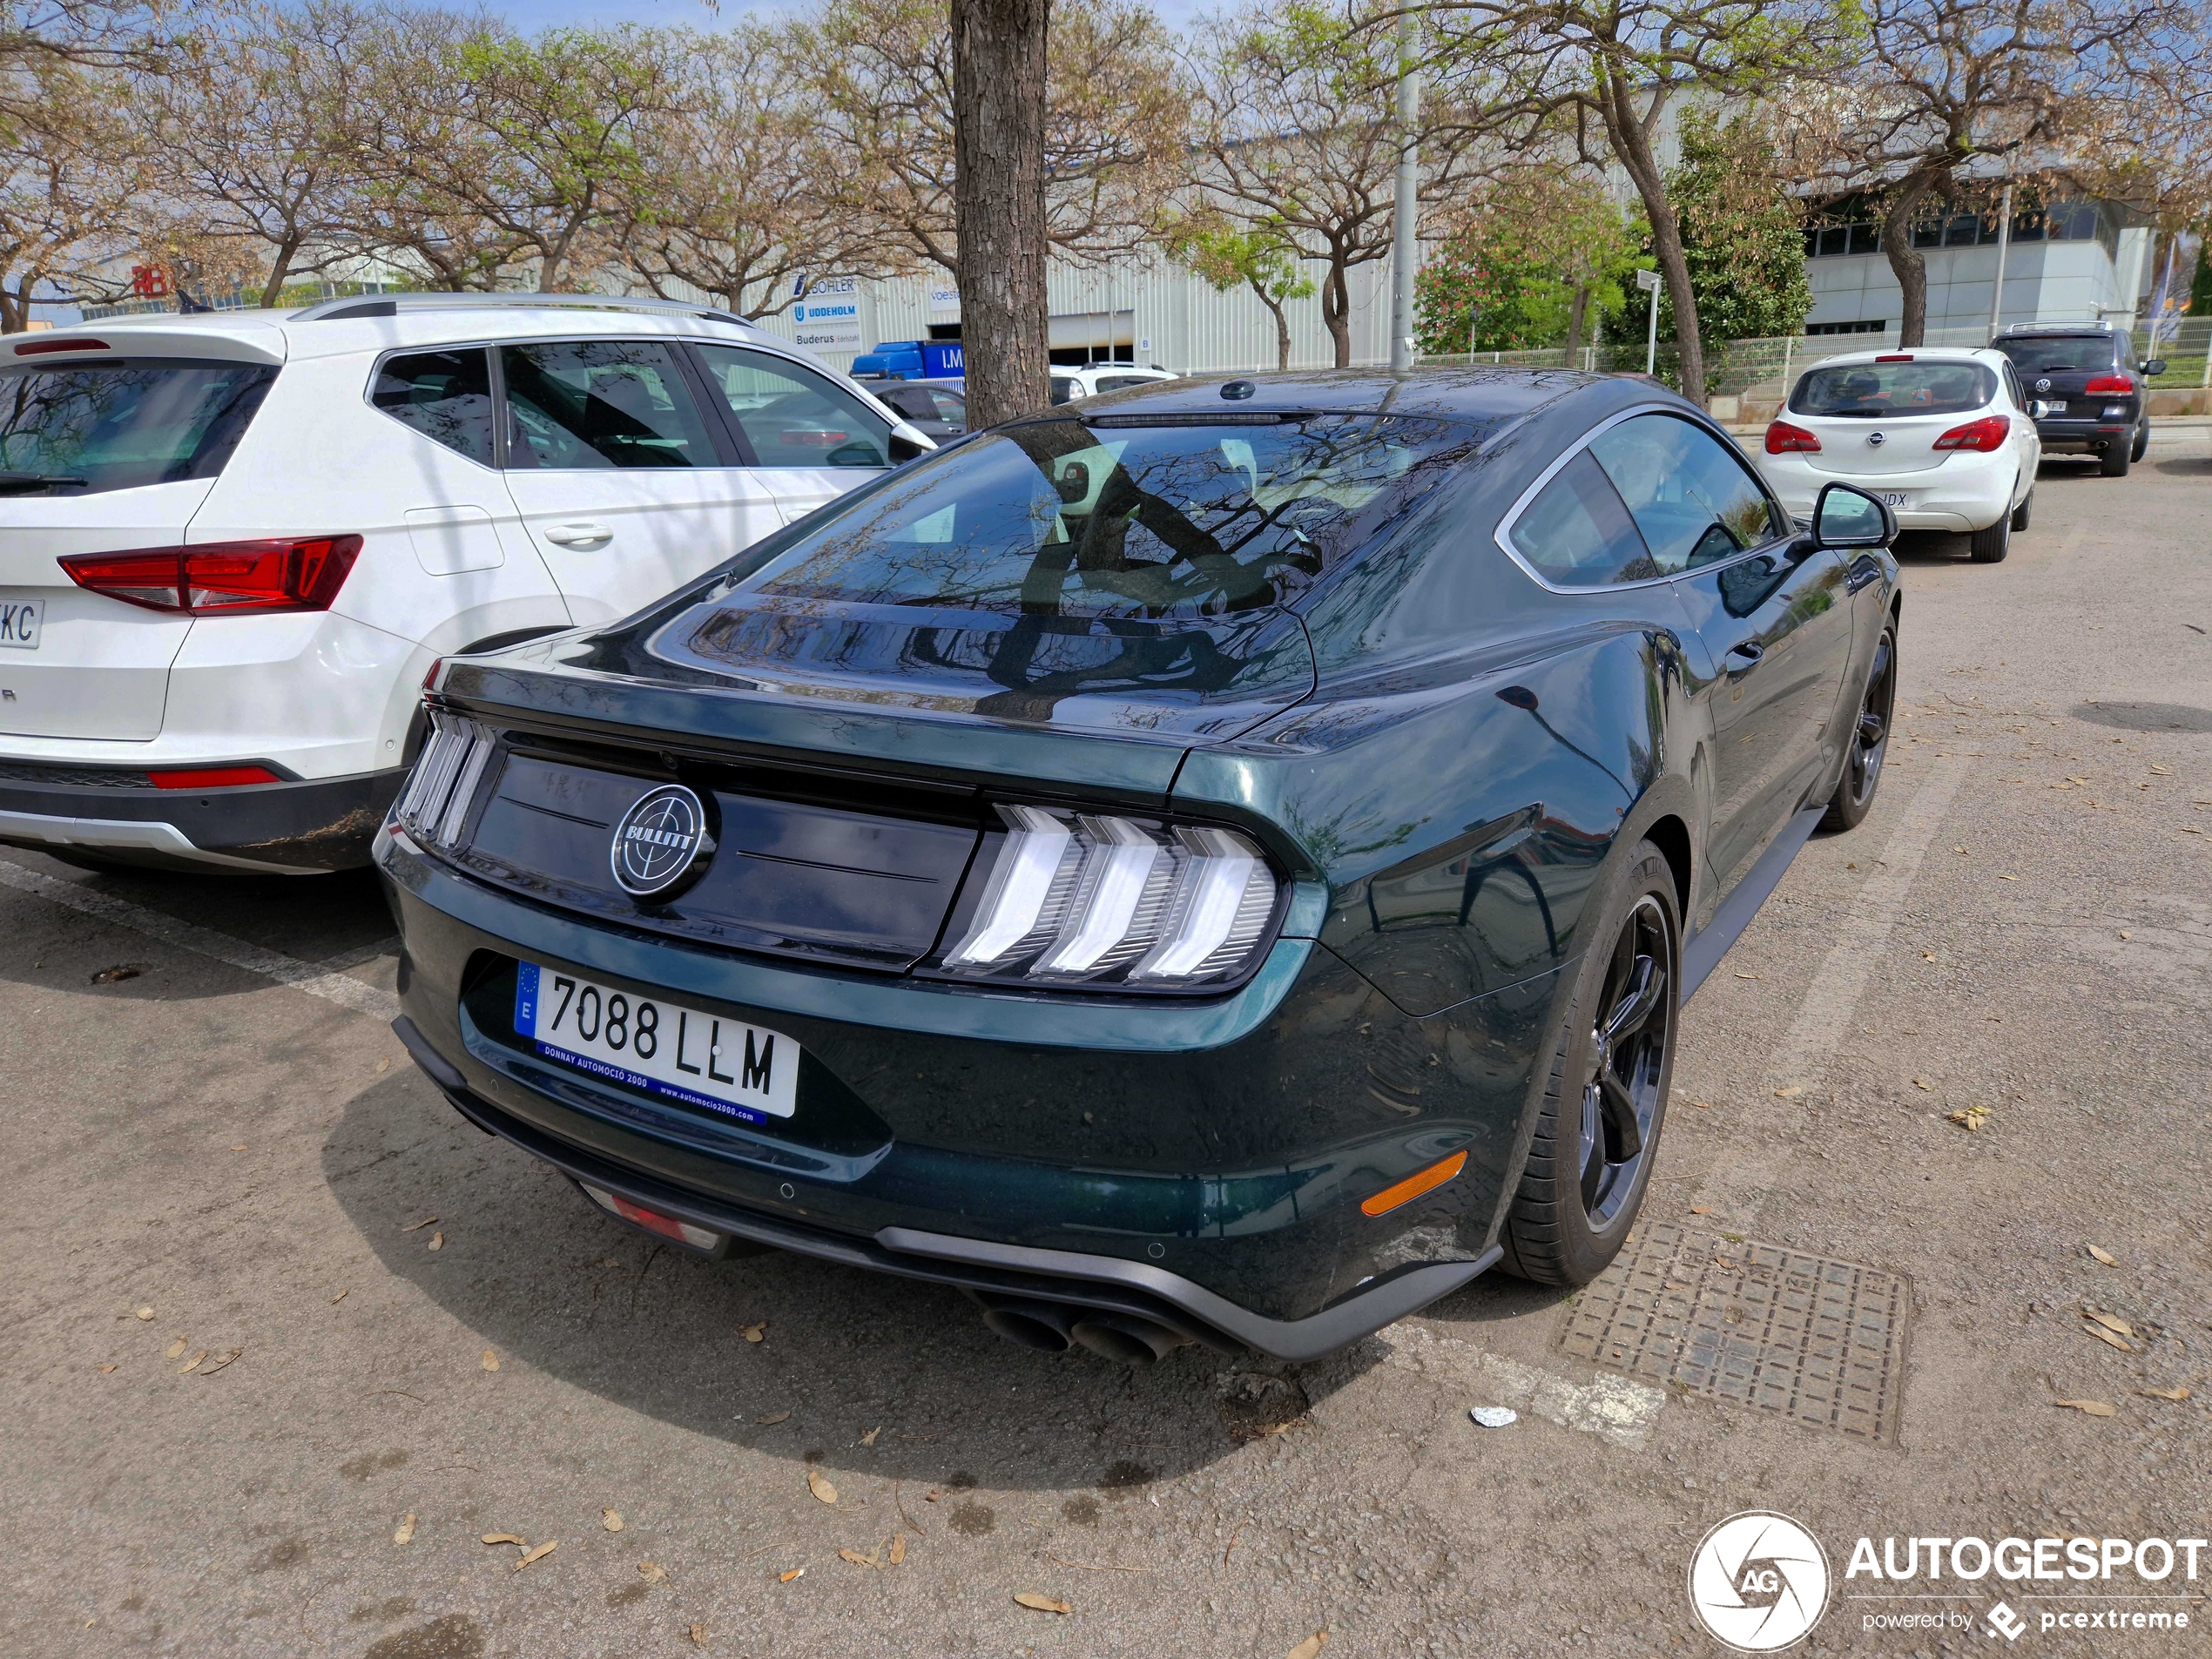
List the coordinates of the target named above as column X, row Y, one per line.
column 1944, row 436
column 1069, row 384
column 231, row 545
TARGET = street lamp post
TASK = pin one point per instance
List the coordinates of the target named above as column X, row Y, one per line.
column 1649, row 282
column 2004, row 247
column 1405, row 220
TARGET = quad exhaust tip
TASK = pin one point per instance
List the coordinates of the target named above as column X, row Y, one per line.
column 1054, row 1327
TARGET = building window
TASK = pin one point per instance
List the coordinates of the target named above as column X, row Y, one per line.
column 1869, row 326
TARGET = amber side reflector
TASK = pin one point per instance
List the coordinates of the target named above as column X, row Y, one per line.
column 1413, row 1186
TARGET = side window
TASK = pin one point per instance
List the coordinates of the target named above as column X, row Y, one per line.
column 952, row 408
column 445, row 395
column 1064, row 387
column 792, row 418
column 1694, row 502
column 1578, row 534
column 599, row 403
column 2013, row 389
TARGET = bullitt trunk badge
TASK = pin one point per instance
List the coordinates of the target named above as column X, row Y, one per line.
column 662, row 843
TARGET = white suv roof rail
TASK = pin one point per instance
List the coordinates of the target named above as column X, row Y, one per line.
column 391, row 305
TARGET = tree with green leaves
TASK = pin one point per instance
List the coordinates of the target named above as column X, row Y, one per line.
column 1527, row 265
column 1261, row 259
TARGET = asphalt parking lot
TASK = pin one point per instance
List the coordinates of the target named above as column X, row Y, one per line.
column 1960, row 1047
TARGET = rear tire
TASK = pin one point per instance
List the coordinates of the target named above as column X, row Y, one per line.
column 2021, row 513
column 2141, row 443
column 2116, row 459
column 1990, row 546
column 1870, row 740
column 1597, row 1133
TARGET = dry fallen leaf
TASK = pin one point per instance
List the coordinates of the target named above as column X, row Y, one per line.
column 611, row 1520
column 384, row 1063
column 218, row 1365
column 2110, row 1322
column 755, row 1332
column 1789, row 1091
column 2008, row 878
column 1701, row 1209
column 868, row 1439
column 857, row 1559
column 1042, row 1604
column 773, row 1417
column 1747, row 977
column 698, row 1635
column 1311, row 1646
column 175, row 1350
column 2105, row 1336
column 785, row 1578
column 105, row 1369
column 2087, row 1407
column 342, row 1296
column 2124, row 934
column 817, row 1483
column 146, row 1313
column 1922, row 1082
column 1702, row 1105
column 539, row 1553
column 1970, row 1118
column 504, row 1538
column 405, row 1532
column 2167, row 1394
column 2107, row 1259
column 899, row 1540
column 437, row 1241
column 491, row 1360
column 652, row 1574
column 237, row 1148
column 192, row 1364
column 417, row 1226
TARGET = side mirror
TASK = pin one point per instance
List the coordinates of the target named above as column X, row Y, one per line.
column 1847, row 517
column 2156, row 366
column 907, row 443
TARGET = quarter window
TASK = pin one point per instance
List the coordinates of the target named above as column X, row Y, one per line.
column 601, row 403
column 1577, row 532
column 792, row 418
column 445, row 395
column 1694, row 502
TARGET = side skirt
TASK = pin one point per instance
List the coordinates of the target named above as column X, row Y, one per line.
column 1703, row 951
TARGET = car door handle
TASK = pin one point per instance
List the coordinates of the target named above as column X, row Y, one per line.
column 1750, row 650
column 579, row 536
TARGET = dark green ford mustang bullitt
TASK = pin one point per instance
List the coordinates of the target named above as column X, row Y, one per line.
column 1219, row 863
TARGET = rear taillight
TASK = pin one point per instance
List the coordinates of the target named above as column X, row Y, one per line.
column 1990, row 432
column 222, row 578
column 212, row 777
column 1132, row 904
column 1782, row 438
column 2109, row 386
column 433, row 807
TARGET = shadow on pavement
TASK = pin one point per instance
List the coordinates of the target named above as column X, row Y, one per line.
column 544, row 1279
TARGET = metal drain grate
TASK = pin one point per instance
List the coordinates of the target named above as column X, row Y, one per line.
column 1822, row 1342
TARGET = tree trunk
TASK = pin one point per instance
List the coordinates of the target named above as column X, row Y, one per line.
column 1906, row 263
column 273, row 291
column 1336, row 311
column 998, row 205
column 1575, row 314
column 1282, row 326
column 15, row 308
column 1632, row 147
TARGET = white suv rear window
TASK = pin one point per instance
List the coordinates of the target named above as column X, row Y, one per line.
column 118, row 423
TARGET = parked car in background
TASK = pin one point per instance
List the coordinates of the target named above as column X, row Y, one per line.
column 1943, row 437
column 1213, row 863
column 231, row 545
column 937, row 408
column 911, row 360
column 1093, row 379
column 2092, row 386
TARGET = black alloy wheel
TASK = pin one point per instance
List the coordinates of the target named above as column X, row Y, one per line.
column 1596, row 1135
column 1628, row 1061
column 1870, row 741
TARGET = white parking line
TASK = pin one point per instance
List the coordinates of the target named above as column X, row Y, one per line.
column 1739, row 1183
column 316, row 979
column 1613, row 1407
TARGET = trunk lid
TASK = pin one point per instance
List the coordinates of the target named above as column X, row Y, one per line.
column 1855, row 447
column 99, row 667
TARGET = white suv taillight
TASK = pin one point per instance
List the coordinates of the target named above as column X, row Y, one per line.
column 1099, row 899
column 221, row 578
column 434, row 805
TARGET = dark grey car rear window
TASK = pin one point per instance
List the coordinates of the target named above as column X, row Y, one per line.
column 125, row 422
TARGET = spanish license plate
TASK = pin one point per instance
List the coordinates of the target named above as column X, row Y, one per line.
column 19, row 623
column 1896, row 498
column 702, row 1060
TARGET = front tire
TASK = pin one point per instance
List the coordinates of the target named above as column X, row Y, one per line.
column 1870, row 740
column 2116, row 459
column 1990, row 546
column 1597, row 1135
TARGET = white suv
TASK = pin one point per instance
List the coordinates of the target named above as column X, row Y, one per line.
column 231, row 545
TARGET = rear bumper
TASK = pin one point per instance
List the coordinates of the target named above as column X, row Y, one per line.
column 295, row 828
column 2074, row 437
column 1208, row 1159
column 1969, row 491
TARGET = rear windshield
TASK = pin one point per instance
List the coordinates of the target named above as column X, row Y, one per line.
column 2059, row 353
column 120, row 423
column 1062, row 517
column 1887, row 389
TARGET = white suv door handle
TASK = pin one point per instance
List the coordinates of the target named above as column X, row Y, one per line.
column 579, row 536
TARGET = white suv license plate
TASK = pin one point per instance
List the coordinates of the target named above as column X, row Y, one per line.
column 742, row 1071
column 19, row 624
